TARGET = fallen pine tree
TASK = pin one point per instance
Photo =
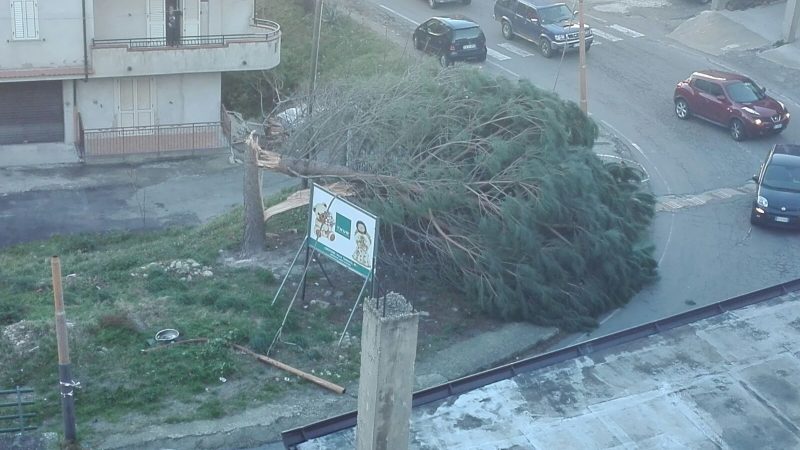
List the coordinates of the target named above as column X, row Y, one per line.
column 489, row 185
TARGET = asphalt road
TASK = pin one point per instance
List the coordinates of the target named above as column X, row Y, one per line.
column 706, row 247
column 40, row 202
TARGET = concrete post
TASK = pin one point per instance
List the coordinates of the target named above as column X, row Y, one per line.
column 388, row 351
column 791, row 21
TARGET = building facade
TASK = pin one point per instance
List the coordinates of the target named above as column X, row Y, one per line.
column 120, row 77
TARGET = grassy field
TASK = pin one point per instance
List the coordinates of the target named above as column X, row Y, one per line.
column 121, row 288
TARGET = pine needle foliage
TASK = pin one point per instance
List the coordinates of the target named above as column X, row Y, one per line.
column 492, row 185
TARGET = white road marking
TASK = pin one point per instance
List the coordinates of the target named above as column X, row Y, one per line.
column 514, row 49
column 496, row 55
column 606, row 36
column 627, row 31
column 596, row 19
column 399, row 15
column 675, row 202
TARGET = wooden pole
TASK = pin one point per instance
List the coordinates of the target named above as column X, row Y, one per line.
column 64, row 367
column 306, row 376
column 263, row 358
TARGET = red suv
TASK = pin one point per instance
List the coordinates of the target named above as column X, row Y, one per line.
column 732, row 101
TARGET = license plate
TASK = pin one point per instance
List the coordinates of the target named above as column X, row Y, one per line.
column 777, row 126
column 573, row 45
column 782, row 219
column 469, row 46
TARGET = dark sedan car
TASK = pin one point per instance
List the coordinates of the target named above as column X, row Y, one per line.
column 451, row 40
column 732, row 101
column 777, row 199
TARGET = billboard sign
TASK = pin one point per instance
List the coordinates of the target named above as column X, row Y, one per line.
column 342, row 231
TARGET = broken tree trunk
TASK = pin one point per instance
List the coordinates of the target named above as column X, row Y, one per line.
column 255, row 238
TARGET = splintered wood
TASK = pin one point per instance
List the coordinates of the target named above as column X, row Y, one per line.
column 303, row 197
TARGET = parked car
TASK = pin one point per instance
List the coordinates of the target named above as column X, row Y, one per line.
column 777, row 199
column 548, row 24
column 435, row 3
column 451, row 40
column 732, row 101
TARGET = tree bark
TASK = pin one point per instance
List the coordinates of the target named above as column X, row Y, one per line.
column 255, row 238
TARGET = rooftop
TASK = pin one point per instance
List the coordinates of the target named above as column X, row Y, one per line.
column 721, row 376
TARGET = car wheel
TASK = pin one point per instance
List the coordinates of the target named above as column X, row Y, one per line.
column 546, row 48
column 508, row 33
column 682, row 109
column 417, row 43
column 588, row 47
column 432, row 4
column 445, row 61
column 737, row 130
column 482, row 58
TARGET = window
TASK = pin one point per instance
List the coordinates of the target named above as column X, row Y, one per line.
column 745, row 92
column 25, row 16
column 436, row 28
column 467, row 33
column 525, row 11
column 715, row 89
column 702, row 85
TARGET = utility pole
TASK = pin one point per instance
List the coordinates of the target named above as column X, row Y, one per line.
column 312, row 85
column 582, row 57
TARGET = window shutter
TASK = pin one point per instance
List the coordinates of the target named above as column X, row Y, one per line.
column 25, row 19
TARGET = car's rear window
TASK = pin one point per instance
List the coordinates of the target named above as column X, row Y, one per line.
column 467, row 33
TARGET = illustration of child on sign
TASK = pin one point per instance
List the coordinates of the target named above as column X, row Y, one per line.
column 363, row 243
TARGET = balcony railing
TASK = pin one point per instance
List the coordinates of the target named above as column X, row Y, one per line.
column 186, row 41
column 157, row 140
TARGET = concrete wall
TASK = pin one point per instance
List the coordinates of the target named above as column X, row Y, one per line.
column 187, row 98
column 70, row 113
column 60, row 42
column 120, row 62
column 120, row 19
column 230, row 16
column 126, row 19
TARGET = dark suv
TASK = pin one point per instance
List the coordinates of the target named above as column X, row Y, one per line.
column 451, row 39
column 777, row 199
column 732, row 101
column 550, row 25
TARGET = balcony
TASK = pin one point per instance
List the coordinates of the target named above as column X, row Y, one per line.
column 191, row 54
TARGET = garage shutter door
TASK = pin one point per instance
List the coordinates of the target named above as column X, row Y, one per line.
column 31, row 112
